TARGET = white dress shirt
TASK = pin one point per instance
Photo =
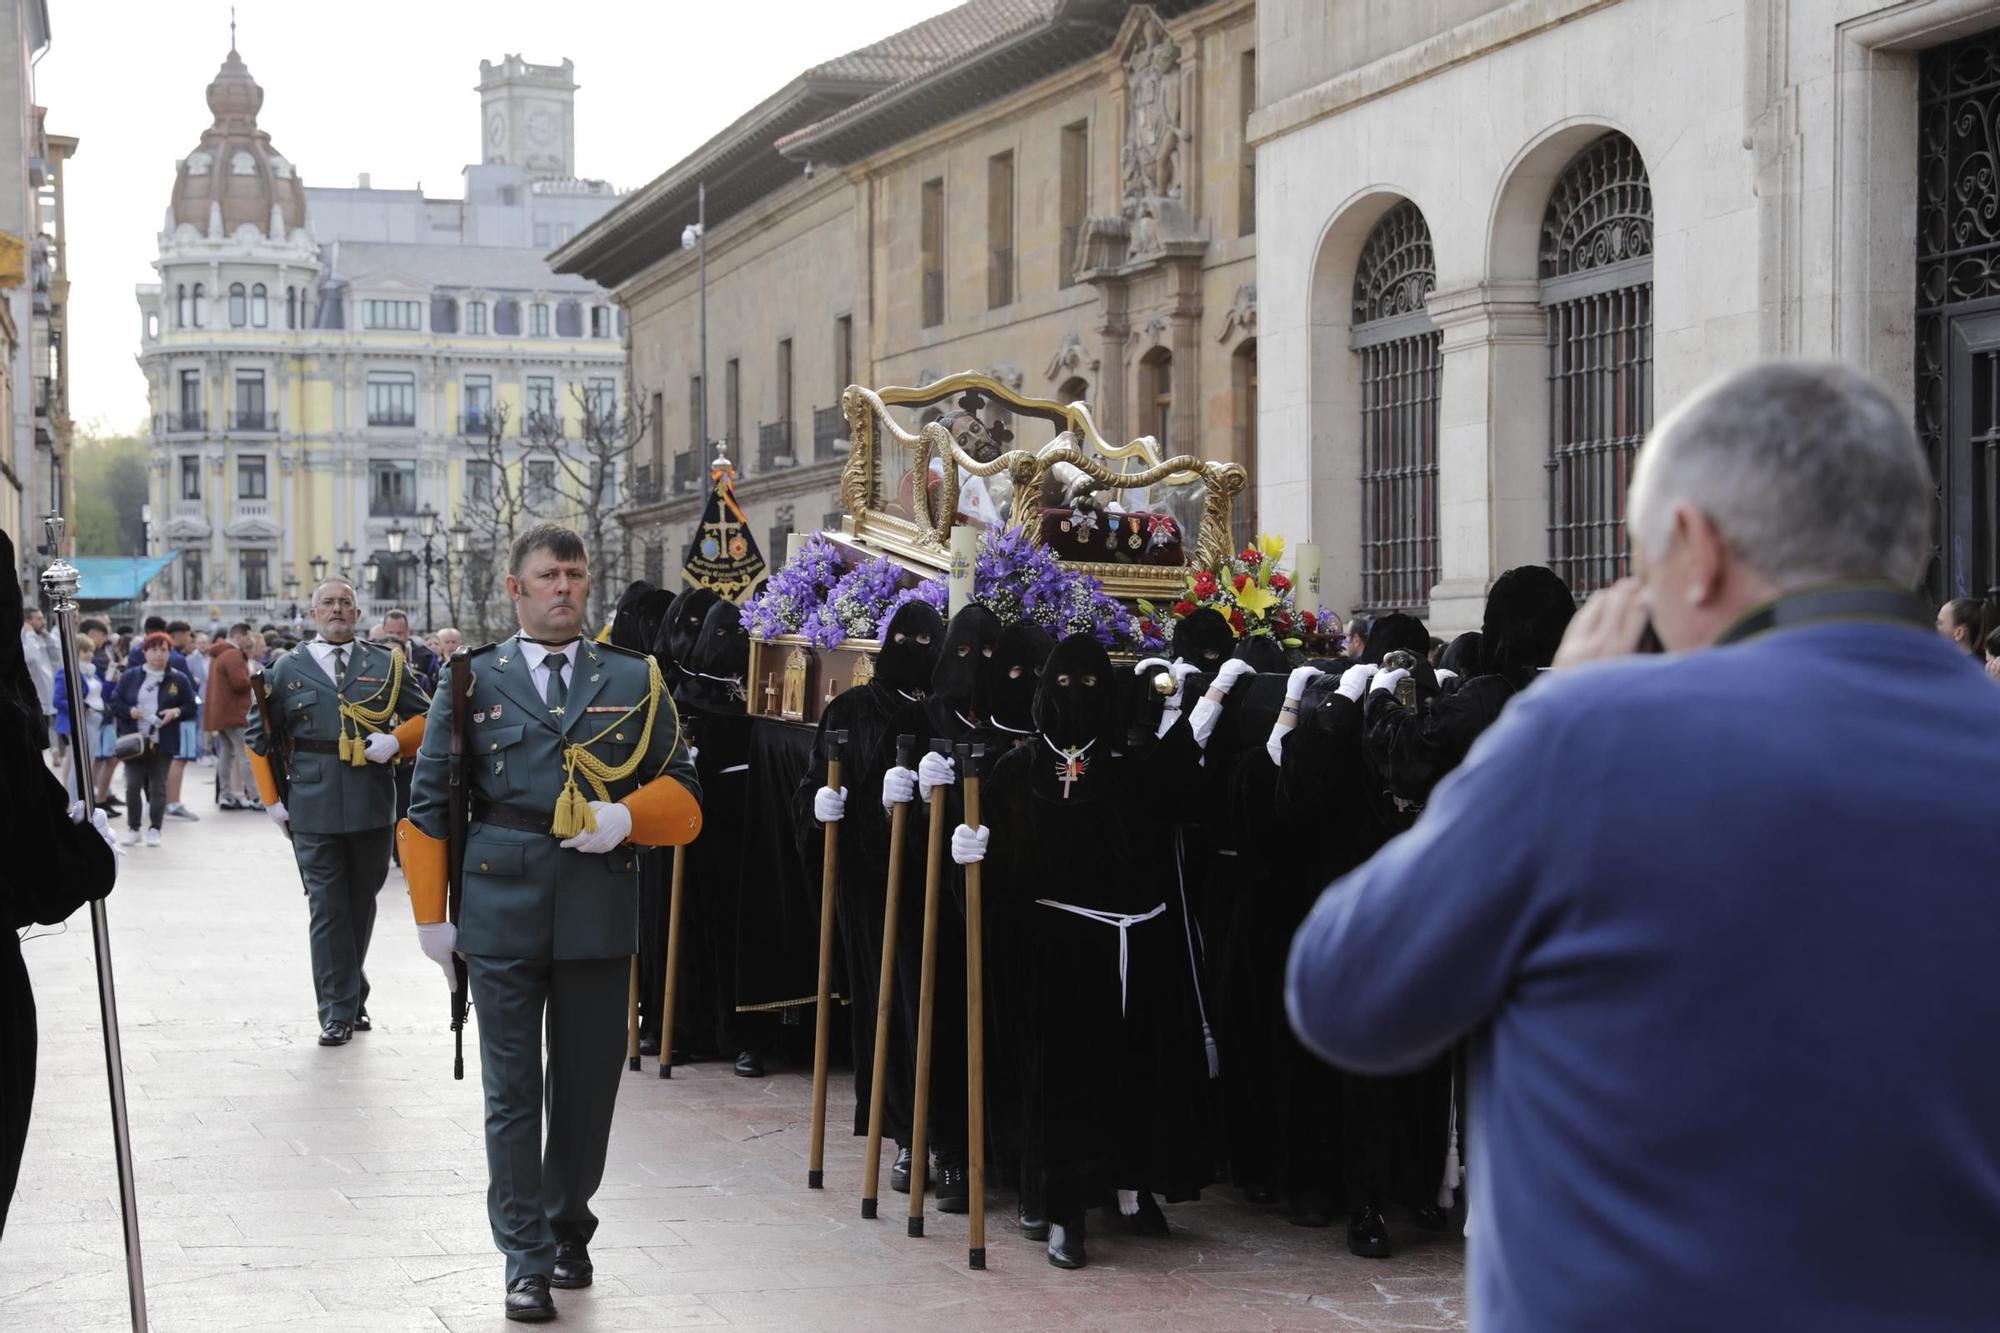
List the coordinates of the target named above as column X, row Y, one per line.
column 322, row 653
column 538, row 657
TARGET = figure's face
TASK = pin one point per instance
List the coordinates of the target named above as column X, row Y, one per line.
column 1958, row 634
column 449, row 642
column 36, row 620
column 157, row 656
column 334, row 612
column 549, row 595
column 97, row 637
column 247, row 644
column 183, row 640
column 920, row 637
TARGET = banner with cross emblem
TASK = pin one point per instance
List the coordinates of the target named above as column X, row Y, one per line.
column 723, row 557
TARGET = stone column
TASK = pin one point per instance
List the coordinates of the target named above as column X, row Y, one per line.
column 1184, row 342
column 1108, row 394
column 1492, row 444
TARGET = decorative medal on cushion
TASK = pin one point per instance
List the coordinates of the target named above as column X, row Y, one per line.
column 1071, row 764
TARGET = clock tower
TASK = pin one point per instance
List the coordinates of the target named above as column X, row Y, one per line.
column 527, row 116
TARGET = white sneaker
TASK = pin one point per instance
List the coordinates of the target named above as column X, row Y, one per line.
column 130, row 837
column 152, row 837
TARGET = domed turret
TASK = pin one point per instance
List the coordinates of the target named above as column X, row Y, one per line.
column 235, row 177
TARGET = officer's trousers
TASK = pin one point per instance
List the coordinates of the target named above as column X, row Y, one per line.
column 342, row 872
column 534, row 1197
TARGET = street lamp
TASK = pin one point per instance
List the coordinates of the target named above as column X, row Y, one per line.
column 318, row 563
column 427, row 528
column 345, row 554
column 292, row 594
column 694, row 237
column 369, row 573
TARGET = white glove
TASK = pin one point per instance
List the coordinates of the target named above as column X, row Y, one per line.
column 437, row 939
column 968, row 844
column 934, row 771
column 899, row 787
column 281, row 816
column 1354, row 681
column 1388, row 680
column 99, row 821
column 1444, row 674
column 1150, row 664
column 614, row 825
column 1295, row 684
column 694, row 753
column 830, row 806
column 1207, row 712
column 382, row 747
column 1232, row 671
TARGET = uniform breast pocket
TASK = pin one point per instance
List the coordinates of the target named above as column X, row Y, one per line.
column 298, row 711
column 497, row 755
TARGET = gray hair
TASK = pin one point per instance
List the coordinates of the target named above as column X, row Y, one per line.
column 1809, row 470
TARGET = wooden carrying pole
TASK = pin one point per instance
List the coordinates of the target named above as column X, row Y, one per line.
column 632, row 1017
column 871, row 1176
column 673, row 963
column 975, row 1017
column 823, row 1025
column 920, row 1114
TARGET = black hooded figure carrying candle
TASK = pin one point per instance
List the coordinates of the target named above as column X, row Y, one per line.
column 1078, row 849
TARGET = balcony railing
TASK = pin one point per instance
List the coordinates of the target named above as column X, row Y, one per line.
column 392, row 418
column 684, row 473
column 645, row 485
column 774, row 445
column 45, row 395
column 257, row 419
column 829, row 434
column 189, row 506
column 476, row 421
column 543, row 425
column 252, row 509
column 183, row 422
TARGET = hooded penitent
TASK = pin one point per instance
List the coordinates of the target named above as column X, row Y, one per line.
column 1461, row 655
column 1396, row 630
column 681, row 630
column 910, row 644
column 1527, row 612
column 1262, row 652
column 712, row 676
column 968, row 643
column 22, row 706
column 1006, row 697
column 625, row 630
column 1075, row 713
column 1203, row 638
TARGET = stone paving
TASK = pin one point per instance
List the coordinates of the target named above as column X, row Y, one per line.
column 285, row 1185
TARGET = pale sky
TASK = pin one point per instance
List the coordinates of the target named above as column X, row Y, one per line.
column 385, row 87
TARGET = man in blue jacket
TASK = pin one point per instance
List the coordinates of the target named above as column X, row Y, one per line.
column 1716, row 921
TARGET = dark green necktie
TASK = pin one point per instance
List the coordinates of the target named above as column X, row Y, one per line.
column 558, row 687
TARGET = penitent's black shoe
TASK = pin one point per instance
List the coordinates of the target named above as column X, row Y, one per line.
column 649, row 1045
column 362, row 1023
column 336, row 1034
column 899, row 1174
column 528, row 1299
column 1432, row 1218
column 1033, row 1225
column 1149, row 1220
column 749, row 1064
column 1367, row 1233
column 1066, row 1244
column 573, row 1266
column 953, row 1185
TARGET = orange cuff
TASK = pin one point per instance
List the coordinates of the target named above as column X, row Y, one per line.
column 267, row 781
column 664, row 814
column 426, row 870
column 409, row 736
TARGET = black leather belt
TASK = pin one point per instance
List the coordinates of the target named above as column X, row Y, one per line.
column 517, row 817
column 304, row 745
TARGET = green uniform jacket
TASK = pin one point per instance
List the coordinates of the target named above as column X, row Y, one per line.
column 525, row 895
column 326, row 795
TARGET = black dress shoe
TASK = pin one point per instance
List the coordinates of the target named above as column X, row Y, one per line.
column 749, row 1064
column 361, row 1023
column 1314, row 1210
column 528, row 1299
column 1033, row 1225
column 1367, row 1233
column 573, row 1266
column 649, row 1045
column 1066, row 1244
column 1149, row 1220
column 336, row 1034
column 899, row 1174
column 1432, row 1218
column 954, row 1188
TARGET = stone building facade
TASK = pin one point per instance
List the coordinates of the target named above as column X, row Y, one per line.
column 1054, row 193
column 1499, row 238
column 326, row 364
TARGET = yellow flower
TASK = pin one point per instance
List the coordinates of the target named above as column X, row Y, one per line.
column 1272, row 545
column 1256, row 599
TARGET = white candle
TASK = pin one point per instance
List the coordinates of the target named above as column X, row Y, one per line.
column 964, row 552
column 1305, row 576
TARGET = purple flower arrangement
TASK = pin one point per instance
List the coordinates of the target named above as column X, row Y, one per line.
column 794, row 592
column 854, row 606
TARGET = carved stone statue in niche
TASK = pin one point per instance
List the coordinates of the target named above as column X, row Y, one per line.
column 1153, row 161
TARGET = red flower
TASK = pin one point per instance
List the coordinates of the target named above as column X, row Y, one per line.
column 1242, row 581
column 1312, row 623
column 1282, row 622
column 1251, row 556
column 1280, row 582
column 1237, row 623
column 1184, row 607
column 1148, row 628
column 1204, row 583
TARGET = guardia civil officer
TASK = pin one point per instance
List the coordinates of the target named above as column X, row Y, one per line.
column 343, row 710
column 575, row 758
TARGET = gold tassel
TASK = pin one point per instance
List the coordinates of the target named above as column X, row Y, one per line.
column 573, row 813
column 346, row 749
column 360, row 752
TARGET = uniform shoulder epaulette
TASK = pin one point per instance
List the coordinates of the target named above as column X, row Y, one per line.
column 621, row 652
column 471, row 652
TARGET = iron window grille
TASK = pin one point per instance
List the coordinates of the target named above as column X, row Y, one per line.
column 1400, row 351
column 1597, row 290
column 829, row 433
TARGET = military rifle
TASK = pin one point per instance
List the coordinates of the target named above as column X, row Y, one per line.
column 279, row 744
column 458, row 804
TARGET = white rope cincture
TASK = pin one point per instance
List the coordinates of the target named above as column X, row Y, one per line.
column 1124, row 922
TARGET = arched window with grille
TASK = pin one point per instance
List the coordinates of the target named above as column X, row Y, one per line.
column 239, row 306
column 181, row 306
column 200, row 307
column 260, row 306
column 1597, row 287
column 1399, row 349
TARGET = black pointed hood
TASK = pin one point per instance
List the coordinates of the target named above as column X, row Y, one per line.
column 713, row 674
column 1527, row 613
column 682, row 629
column 1007, row 682
column 1076, row 713
column 968, row 644
column 1203, row 638
column 1396, row 630
column 1262, row 652
column 910, row 645
column 626, row 631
